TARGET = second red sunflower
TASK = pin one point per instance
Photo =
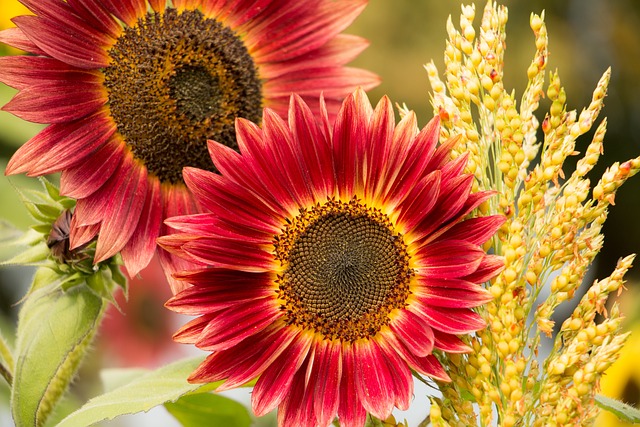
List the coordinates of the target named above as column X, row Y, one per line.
column 133, row 89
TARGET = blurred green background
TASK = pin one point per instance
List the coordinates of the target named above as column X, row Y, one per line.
column 585, row 37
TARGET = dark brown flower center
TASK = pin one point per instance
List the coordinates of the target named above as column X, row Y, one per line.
column 176, row 80
column 345, row 270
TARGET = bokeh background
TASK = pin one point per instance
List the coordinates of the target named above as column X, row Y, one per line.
column 586, row 37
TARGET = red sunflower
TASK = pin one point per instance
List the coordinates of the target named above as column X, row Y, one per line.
column 338, row 257
column 133, row 89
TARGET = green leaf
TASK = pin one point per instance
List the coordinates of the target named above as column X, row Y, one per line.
column 621, row 410
column 116, row 377
column 202, row 409
column 155, row 388
column 55, row 329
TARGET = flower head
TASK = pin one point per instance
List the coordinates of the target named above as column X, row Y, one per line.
column 337, row 259
column 133, row 89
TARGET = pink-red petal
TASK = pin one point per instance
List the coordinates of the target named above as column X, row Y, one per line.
column 351, row 413
column 123, row 213
column 250, row 368
column 490, row 266
column 451, row 320
column 15, row 37
column 61, row 145
column 414, row 332
column 450, row 343
column 74, row 45
column 455, row 298
column 275, row 383
column 475, row 230
column 57, row 103
column 83, row 179
column 140, row 248
column 374, row 380
column 449, row 259
column 198, row 299
column 328, row 361
column 237, row 323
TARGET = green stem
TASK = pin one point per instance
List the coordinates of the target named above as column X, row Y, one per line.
column 6, row 357
column 6, row 374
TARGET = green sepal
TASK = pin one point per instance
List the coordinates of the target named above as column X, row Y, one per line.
column 55, row 329
column 7, row 363
column 117, row 275
column 36, row 213
column 44, row 229
column 34, row 255
column 47, row 277
column 103, row 284
column 201, row 409
column 621, row 410
column 21, row 247
column 49, row 212
column 142, row 393
column 373, row 422
column 17, row 237
column 51, row 189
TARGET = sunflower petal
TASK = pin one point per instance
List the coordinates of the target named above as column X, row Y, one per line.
column 140, row 248
column 326, row 393
column 275, row 383
column 15, row 37
column 236, row 323
column 74, row 45
column 414, row 332
column 449, row 259
column 61, row 145
column 123, row 214
column 374, row 381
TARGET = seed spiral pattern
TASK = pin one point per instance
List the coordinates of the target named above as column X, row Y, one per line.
column 345, row 270
column 174, row 81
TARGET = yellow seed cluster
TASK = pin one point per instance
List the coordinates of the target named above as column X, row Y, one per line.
column 583, row 351
column 551, row 236
column 435, row 414
column 455, row 406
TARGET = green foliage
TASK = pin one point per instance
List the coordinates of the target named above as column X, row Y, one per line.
column 201, row 409
column 62, row 310
column 621, row 410
column 140, row 394
column 55, row 329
